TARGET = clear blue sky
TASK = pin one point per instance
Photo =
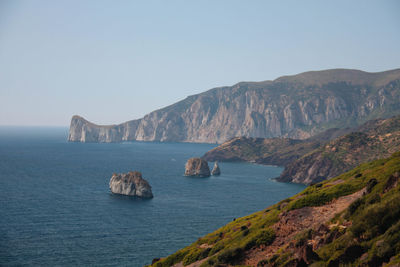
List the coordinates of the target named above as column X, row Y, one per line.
column 113, row 61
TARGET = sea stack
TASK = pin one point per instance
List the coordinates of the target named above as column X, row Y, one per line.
column 130, row 184
column 216, row 170
column 197, row 167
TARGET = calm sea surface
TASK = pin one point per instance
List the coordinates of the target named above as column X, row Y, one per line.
column 56, row 208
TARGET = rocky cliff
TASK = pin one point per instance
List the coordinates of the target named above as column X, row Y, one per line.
column 296, row 106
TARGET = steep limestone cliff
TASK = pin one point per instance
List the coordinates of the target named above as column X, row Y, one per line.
column 82, row 130
column 296, row 106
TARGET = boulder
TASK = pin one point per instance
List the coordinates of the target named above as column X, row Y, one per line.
column 197, row 167
column 216, row 170
column 130, row 184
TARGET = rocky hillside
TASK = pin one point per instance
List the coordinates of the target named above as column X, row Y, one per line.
column 271, row 151
column 296, row 106
column 317, row 158
column 373, row 140
column 350, row 220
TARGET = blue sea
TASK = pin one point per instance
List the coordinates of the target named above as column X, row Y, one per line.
column 56, row 208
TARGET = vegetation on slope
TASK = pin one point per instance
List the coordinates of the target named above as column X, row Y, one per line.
column 352, row 219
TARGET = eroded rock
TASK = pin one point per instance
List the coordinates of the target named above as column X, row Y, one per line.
column 130, row 184
column 216, row 170
column 197, row 167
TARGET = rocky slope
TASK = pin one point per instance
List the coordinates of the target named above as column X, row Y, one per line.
column 130, row 184
column 270, row 151
column 317, row 158
column 373, row 140
column 296, row 106
column 350, row 220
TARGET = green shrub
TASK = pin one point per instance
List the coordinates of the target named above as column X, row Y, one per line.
column 316, row 199
column 323, row 196
column 375, row 198
column 354, row 206
column 377, row 218
column 230, row 256
column 245, row 232
column 209, row 263
column 195, row 255
column 171, row 260
column 370, row 185
column 266, row 237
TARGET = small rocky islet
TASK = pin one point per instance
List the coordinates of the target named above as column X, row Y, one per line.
column 130, row 184
column 133, row 184
column 216, row 170
column 198, row 167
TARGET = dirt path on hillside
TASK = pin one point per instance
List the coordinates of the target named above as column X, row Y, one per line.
column 294, row 222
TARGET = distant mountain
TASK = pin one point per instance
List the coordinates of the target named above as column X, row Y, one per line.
column 317, row 158
column 296, row 106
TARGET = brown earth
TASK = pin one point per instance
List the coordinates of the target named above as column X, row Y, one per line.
column 294, row 222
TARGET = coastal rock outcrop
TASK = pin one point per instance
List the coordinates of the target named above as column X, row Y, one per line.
column 130, row 184
column 197, row 167
column 297, row 106
column 216, row 170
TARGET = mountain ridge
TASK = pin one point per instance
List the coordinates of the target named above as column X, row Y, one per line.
column 296, row 106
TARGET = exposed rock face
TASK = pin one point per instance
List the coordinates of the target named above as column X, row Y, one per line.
column 197, row 167
column 318, row 158
column 216, row 170
column 378, row 139
column 296, row 106
column 82, row 130
column 270, row 151
column 130, row 184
